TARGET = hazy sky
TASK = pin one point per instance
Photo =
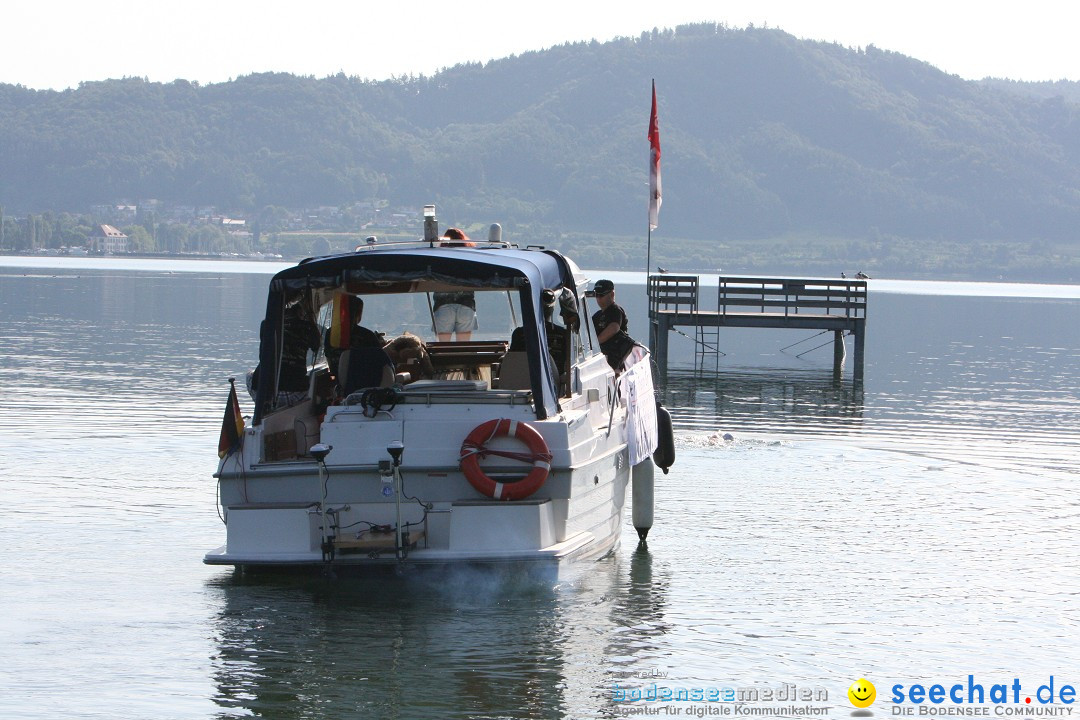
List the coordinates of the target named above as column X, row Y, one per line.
column 58, row 43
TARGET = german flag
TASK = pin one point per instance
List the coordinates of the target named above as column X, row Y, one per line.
column 232, row 425
column 341, row 321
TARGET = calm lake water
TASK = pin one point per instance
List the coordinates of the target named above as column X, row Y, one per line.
column 920, row 527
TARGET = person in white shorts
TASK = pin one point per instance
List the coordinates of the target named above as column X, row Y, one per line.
column 454, row 312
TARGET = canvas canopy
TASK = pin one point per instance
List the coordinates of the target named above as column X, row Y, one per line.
column 424, row 270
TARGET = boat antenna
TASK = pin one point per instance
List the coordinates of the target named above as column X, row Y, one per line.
column 431, row 225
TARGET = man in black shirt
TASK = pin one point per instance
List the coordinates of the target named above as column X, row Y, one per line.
column 365, row 364
column 610, row 323
column 299, row 334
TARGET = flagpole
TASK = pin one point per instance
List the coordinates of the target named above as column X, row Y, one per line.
column 648, row 223
column 648, row 256
column 654, row 180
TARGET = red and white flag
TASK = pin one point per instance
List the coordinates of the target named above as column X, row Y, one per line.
column 655, row 195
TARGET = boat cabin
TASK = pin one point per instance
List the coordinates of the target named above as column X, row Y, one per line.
column 530, row 296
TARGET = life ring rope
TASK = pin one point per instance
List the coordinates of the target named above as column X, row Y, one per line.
column 474, row 448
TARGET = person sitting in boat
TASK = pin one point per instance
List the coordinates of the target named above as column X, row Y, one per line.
column 610, row 323
column 558, row 337
column 365, row 364
column 408, row 349
column 454, row 312
column 300, row 333
column 333, row 352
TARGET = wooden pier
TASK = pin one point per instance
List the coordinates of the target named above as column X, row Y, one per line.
column 757, row 302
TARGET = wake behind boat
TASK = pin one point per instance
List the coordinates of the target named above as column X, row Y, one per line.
column 483, row 450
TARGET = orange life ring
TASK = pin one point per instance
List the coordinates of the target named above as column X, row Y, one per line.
column 473, row 449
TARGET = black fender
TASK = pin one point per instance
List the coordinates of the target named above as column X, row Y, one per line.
column 664, row 457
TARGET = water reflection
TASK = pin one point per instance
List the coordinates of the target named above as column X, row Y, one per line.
column 462, row 644
column 638, row 614
column 766, row 400
column 449, row 644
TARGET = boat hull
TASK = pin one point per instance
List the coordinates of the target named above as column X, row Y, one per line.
column 296, row 514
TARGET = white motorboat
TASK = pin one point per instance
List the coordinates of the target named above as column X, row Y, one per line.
column 497, row 456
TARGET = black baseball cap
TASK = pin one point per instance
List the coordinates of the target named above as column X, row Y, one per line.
column 603, row 287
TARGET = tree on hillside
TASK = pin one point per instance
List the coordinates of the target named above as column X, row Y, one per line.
column 139, row 239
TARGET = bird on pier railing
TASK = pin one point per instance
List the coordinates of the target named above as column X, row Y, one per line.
column 660, row 269
column 843, row 275
column 862, row 276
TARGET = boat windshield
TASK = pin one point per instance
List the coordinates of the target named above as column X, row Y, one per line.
column 497, row 314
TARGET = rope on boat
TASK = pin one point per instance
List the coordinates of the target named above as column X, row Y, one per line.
column 481, row 449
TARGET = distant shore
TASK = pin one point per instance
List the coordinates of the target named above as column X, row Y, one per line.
column 203, row 263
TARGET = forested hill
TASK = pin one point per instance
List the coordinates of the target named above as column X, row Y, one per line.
column 762, row 134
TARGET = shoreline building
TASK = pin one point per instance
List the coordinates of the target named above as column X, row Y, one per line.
column 107, row 239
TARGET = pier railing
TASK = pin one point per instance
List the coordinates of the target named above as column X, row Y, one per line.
column 792, row 296
column 787, row 296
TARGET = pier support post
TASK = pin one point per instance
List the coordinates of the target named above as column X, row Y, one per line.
column 660, row 348
column 838, row 353
column 860, row 342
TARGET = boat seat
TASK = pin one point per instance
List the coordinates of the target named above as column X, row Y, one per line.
column 361, row 367
column 321, row 390
column 513, row 372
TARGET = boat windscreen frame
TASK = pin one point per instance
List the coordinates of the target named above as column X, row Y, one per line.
column 425, row 269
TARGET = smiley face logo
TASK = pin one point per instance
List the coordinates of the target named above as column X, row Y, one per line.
column 862, row 693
